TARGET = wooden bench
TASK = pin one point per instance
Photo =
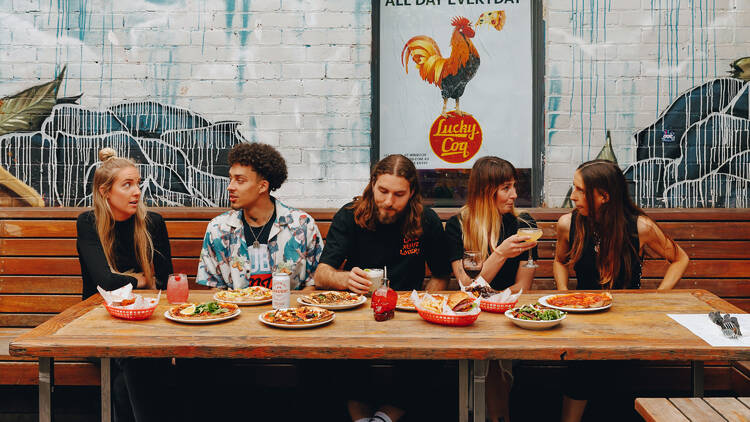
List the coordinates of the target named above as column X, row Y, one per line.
column 714, row 409
column 40, row 275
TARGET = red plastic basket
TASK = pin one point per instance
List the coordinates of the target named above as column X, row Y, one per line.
column 451, row 320
column 130, row 314
column 496, row 307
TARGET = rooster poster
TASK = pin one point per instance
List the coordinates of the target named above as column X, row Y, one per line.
column 455, row 81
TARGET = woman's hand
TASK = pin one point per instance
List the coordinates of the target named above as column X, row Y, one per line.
column 513, row 246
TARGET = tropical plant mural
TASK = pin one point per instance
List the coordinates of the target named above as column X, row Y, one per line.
column 50, row 147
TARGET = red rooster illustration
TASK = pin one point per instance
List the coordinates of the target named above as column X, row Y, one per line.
column 450, row 74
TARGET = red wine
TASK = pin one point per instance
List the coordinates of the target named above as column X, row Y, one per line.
column 473, row 273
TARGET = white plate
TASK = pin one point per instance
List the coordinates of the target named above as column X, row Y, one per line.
column 243, row 303
column 407, row 308
column 543, row 301
column 294, row 327
column 533, row 325
column 200, row 321
column 361, row 300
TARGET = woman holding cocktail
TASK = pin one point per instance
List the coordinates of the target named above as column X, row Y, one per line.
column 121, row 243
column 485, row 231
column 604, row 240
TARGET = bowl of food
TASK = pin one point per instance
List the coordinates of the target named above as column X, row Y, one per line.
column 535, row 317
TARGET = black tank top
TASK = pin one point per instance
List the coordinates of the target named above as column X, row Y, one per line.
column 586, row 271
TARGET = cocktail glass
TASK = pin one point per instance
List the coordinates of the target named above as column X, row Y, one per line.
column 534, row 233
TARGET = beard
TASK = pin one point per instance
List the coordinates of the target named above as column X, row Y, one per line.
column 385, row 218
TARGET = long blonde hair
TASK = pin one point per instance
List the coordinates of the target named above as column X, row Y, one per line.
column 481, row 222
column 104, row 178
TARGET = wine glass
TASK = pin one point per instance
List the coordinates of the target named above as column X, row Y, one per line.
column 534, row 233
column 472, row 263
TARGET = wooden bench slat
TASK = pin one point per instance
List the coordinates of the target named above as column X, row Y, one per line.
column 730, row 408
column 23, row 319
column 42, row 285
column 37, row 303
column 66, row 373
column 67, row 247
column 696, row 409
column 658, row 410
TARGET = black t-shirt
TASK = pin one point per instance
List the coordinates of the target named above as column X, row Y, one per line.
column 257, row 233
column 94, row 268
column 506, row 277
column 386, row 246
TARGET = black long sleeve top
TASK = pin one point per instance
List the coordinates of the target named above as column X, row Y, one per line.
column 94, row 268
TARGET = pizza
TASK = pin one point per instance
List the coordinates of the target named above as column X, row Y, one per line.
column 303, row 315
column 581, row 300
column 203, row 311
column 332, row 298
column 248, row 294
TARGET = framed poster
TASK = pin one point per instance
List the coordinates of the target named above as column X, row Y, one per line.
column 456, row 80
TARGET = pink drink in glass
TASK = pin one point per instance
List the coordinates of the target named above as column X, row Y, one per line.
column 177, row 289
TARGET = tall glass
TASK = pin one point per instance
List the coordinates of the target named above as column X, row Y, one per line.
column 177, row 289
column 472, row 263
column 534, row 233
column 375, row 275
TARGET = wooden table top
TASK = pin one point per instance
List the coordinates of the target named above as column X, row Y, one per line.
column 635, row 327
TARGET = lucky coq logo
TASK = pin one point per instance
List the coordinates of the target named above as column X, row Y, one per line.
column 455, row 139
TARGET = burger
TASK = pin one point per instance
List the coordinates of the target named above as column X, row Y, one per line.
column 460, row 302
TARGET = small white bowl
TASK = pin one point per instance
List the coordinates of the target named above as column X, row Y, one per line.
column 533, row 325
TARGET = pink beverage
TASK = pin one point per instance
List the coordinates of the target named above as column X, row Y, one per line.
column 280, row 285
column 177, row 289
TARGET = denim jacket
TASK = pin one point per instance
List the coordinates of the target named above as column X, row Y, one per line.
column 294, row 237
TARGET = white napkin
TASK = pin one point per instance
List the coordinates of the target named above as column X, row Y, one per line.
column 708, row 331
column 126, row 292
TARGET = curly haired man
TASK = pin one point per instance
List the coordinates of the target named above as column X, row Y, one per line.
column 242, row 246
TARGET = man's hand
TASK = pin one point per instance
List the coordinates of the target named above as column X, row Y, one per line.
column 358, row 282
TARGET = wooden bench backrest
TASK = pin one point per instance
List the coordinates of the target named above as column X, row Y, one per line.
column 40, row 273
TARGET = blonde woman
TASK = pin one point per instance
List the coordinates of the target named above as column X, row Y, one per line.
column 488, row 224
column 121, row 243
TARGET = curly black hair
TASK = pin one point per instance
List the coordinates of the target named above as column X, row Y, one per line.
column 264, row 159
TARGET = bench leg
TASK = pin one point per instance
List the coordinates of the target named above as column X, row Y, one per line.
column 696, row 374
column 463, row 390
column 480, row 376
column 46, row 387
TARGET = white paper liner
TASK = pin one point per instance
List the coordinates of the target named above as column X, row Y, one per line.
column 503, row 297
column 446, row 310
column 126, row 292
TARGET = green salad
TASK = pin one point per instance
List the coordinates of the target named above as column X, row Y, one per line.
column 212, row 308
column 536, row 313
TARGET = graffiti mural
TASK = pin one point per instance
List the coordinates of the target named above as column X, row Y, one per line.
column 697, row 153
column 50, row 146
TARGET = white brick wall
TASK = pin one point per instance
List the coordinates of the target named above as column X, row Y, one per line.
column 296, row 73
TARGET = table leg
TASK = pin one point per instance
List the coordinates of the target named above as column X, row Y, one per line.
column 46, row 387
column 696, row 373
column 106, row 389
column 463, row 390
column 479, row 378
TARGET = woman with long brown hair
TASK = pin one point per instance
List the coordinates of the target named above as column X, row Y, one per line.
column 120, row 242
column 604, row 240
column 487, row 224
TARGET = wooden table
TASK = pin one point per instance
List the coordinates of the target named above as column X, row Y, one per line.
column 636, row 327
column 714, row 409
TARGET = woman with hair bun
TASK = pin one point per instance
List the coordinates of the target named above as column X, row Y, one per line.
column 120, row 242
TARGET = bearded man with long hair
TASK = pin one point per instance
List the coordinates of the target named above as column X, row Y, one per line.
column 386, row 226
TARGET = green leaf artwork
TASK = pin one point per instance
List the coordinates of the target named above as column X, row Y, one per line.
column 25, row 111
